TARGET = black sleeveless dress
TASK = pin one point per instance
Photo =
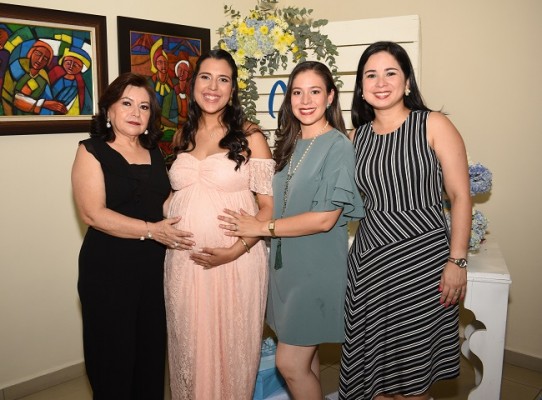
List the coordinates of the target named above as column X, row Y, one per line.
column 399, row 338
column 121, row 284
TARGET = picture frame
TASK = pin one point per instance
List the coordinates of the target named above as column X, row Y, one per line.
column 166, row 54
column 55, row 94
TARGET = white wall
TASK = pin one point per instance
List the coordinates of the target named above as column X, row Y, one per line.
column 481, row 61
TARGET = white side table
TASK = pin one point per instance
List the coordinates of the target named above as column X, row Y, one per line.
column 488, row 283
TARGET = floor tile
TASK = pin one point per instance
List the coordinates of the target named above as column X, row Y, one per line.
column 516, row 391
column 455, row 389
column 521, row 375
column 518, row 383
column 330, row 353
column 74, row 389
column 329, row 379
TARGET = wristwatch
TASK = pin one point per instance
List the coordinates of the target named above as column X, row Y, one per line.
column 460, row 262
column 271, row 227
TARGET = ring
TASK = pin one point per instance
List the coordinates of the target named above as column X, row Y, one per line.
column 175, row 244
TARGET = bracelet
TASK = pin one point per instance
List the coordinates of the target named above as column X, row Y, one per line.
column 245, row 244
column 149, row 234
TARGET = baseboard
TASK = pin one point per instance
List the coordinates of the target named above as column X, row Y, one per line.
column 523, row 360
column 42, row 382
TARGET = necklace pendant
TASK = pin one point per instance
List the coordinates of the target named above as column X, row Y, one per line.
column 278, row 256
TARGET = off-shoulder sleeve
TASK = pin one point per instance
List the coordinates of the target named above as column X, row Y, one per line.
column 261, row 171
column 338, row 188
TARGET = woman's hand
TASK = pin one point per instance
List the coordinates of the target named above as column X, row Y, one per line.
column 165, row 232
column 210, row 257
column 241, row 224
column 453, row 284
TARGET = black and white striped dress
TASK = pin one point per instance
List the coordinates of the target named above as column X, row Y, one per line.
column 399, row 338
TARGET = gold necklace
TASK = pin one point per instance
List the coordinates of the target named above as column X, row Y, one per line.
column 278, row 257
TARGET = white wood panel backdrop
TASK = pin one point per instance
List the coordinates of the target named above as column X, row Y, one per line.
column 351, row 38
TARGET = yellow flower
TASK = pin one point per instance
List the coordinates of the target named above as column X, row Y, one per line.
column 239, row 57
column 228, row 30
column 295, row 49
column 264, row 29
column 251, row 31
column 242, row 84
column 276, row 32
column 243, row 28
column 289, row 38
column 284, row 43
column 242, row 73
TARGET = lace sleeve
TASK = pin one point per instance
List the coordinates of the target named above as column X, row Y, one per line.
column 261, row 171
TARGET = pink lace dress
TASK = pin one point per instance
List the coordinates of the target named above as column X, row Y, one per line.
column 215, row 316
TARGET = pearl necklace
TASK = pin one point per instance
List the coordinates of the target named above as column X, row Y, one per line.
column 291, row 172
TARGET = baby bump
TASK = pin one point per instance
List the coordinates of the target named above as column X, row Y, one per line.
column 199, row 212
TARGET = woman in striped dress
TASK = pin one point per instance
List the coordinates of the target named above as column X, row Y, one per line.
column 406, row 271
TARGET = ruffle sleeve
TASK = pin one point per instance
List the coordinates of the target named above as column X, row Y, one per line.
column 338, row 189
column 261, row 171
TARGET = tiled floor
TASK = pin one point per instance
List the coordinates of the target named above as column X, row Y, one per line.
column 518, row 383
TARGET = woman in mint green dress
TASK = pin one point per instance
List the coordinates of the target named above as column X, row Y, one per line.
column 314, row 197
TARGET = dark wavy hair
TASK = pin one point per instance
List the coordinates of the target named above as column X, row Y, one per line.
column 288, row 124
column 363, row 112
column 98, row 126
column 233, row 117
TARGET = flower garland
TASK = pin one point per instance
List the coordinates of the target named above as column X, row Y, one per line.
column 261, row 42
column 481, row 180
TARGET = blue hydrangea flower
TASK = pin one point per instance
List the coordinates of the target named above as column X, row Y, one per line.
column 478, row 228
column 480, row 179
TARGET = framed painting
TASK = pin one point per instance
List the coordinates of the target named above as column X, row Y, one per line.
column 53, row 67
column 166, row 54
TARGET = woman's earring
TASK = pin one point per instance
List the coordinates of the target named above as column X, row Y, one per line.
column 328, row 105
column 108, row 123
column 362, row 97
column 230, row 102
column 407, row 91
column 146, row 132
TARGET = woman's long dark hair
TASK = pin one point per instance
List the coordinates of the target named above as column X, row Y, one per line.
column 288, row 124
column 363, row 112
column 233, row 117
column 98, row 126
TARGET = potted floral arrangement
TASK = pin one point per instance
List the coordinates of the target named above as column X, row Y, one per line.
column 265, row 39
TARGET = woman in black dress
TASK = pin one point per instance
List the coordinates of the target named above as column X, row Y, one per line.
column 121, row 189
